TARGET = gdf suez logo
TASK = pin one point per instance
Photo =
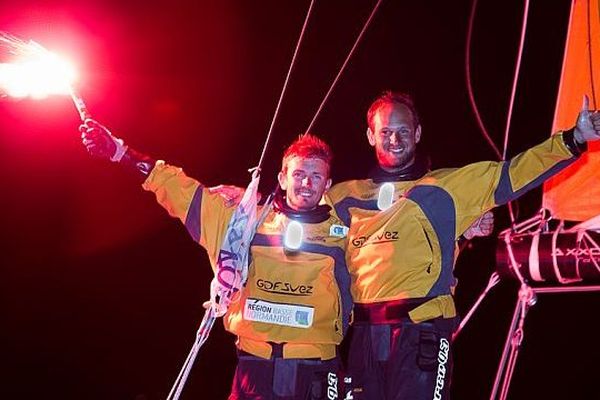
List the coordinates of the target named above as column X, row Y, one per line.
column 383, row 237
column 284, row 287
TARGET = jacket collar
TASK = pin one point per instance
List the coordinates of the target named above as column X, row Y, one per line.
column 413, row 172
column 314, row 216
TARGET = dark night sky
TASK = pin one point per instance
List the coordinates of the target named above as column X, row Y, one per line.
column 101, row 292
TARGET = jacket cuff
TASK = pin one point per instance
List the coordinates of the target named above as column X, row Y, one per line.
column 569, row 140
column 141, row 163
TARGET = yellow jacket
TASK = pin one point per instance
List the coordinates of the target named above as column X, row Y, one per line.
column 300, row 298
column 408, row 250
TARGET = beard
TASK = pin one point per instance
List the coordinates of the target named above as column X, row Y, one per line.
column 394, row 162
column 301, row 203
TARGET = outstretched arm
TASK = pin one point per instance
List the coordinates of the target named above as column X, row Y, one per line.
column 479, row 187
column 204, row 215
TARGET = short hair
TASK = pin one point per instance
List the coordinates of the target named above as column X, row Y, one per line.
column 307, row 146
column 390, row 97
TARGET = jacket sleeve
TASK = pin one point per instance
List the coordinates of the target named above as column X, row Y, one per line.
column 481, row 186
column 204, row 214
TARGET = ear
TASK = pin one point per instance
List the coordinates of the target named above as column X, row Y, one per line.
column 327, row 184
column 371, row 136
column 282, row 181
column 418, row 134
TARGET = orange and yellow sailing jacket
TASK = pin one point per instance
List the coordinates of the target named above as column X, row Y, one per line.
column 408, row 250
column 300, row 298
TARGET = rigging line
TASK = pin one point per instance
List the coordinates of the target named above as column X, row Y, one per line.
column 590, row 54
column 470, row 86
column 287, row 78
column 511, row 104
column 515, row 79
column 360, row 35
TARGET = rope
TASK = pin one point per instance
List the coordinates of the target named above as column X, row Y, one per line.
column 494, row 279
column 331, row 87
column 358, row 39
column 201, row 336
column 515, row 79
column 470, row 86
column 512, row 95
column 285, row 84
column 474, row 107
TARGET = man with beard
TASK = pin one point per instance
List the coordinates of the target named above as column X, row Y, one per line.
column 295, row 305
column 404, row 225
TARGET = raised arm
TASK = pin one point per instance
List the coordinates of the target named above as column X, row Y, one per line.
column 204, row 214
column 481, row 186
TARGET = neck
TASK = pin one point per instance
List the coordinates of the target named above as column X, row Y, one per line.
column 317, row 214
column 413, row 170
column 295, row 209
column 400, row 168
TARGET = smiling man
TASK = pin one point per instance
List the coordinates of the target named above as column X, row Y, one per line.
column 295, row 305
column 394, row 131
column 304, row 179
column 404, row 223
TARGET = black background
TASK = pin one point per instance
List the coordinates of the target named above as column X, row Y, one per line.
column 101, row 292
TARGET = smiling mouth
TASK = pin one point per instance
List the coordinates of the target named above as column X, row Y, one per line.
column 304, row 193
column 396, row 150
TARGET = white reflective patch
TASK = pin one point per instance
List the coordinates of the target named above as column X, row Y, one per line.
column 293, row 315
column 386, row 196
column 338, row 230
column 293, row 235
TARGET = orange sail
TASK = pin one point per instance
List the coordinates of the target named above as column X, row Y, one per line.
column 574, row 194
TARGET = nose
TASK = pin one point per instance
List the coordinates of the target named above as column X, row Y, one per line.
column 306, row 181
column 394, row 137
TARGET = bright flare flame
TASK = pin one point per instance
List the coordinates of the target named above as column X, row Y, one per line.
column 35, row 71
column 38, row 77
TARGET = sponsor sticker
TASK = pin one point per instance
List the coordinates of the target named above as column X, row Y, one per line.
column 338, row 230
column 294, row 315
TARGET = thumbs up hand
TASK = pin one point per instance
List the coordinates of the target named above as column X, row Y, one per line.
column 588, row 123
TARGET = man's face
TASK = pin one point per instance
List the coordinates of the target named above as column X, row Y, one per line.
column 394, row 137
column 304, row 182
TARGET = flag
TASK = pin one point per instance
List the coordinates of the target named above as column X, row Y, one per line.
column 232, row 261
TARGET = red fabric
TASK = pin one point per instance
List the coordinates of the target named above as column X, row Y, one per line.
column 574, row 194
